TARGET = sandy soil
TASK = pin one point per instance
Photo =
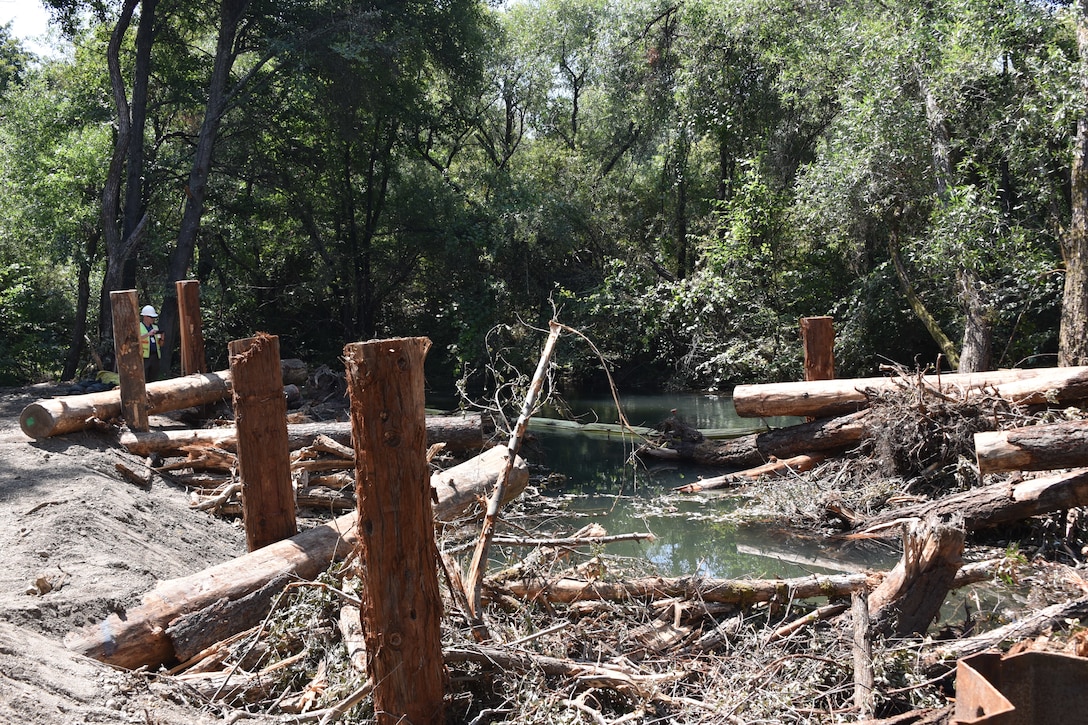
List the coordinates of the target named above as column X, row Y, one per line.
column 77, row 541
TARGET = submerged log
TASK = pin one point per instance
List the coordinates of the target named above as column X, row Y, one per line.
column 460, row 434
column 139, row 636
column 57, row 416
column 821, row 436
column 825, row 398
column 993, row 505
column 727, row 591
column 566, row 590
column 776, row 467
column 1033, row 448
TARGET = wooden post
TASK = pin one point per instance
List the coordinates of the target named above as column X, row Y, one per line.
column 130, row 361
column 193, row 359
column 260, row 413
column 818, row 334
column 401, row 605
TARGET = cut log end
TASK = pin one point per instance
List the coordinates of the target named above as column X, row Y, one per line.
column 37, row 422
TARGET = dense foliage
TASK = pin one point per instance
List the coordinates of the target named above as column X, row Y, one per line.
column 682, row 181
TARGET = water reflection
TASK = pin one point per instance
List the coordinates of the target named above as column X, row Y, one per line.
column 600, row 482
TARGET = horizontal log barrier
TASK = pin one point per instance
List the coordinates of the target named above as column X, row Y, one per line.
column 826, row 398
column 57, row 416
column 459, row 433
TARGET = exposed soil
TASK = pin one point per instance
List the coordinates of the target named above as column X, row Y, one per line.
column 77, row 541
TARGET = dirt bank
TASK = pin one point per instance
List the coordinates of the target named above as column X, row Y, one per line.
column 77, row 542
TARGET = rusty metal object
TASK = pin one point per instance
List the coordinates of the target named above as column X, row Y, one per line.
column 1028, row 688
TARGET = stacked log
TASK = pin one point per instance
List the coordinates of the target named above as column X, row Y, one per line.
column 140, row 635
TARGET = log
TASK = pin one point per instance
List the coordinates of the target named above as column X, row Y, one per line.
column 942, row 655
column 401, row 605
column 826, row 398
column 130, row 361
column 461, row 434
column 56, row 416
column 1033, row 448
column 818, row 338
column 190, row 327
column 776, row 467
column 139, row 637
column 723, row 591
column 822, row 436
column 993, row 505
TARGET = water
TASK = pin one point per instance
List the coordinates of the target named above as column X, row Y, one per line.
column 599, row 482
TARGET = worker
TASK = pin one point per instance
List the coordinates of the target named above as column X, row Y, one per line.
column 150, row 342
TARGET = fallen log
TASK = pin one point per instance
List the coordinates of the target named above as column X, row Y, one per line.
column 56, row 416
column 775, row 467
column 460, row 434
column 942, row 655
column 992, row 505
column 139, row 636
column 826, row 398
column 1033, row 448
column 834, row 435
column 568, row 590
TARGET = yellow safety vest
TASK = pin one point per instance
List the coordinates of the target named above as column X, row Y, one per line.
column 145, row 340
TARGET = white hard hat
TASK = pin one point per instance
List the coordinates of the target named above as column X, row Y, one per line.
column 148, row 311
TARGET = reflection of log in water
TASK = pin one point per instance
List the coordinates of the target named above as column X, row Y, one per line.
column 802, row 559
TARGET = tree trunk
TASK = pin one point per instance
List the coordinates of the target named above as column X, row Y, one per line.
column 976, row 353
column 83, row 304
column 821, row 436
column 823, row 398
column 230, row 17
column 118, row 247
column 776, row 467
column 919, row 306
column 1073, row 333
column 1033, row 448
column 139, row 636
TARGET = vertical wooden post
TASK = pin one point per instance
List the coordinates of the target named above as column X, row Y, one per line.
column 818, row 334
column 401, row 605
column 193, row 359
column 260, row 414
column 130, row 361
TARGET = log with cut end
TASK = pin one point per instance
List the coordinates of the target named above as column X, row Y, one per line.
column 460, row 434
column 139, row 635
column 57, row 416
column 826, row 398
column 1033, row 448
column 993, row 505
column 821, row 436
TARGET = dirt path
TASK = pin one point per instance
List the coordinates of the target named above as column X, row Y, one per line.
column 76, row 542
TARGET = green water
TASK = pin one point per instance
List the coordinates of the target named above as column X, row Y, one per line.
column 599, row 482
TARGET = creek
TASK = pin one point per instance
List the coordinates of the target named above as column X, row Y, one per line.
column 595, row 479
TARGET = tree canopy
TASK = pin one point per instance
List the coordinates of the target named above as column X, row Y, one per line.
column 682, row 180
